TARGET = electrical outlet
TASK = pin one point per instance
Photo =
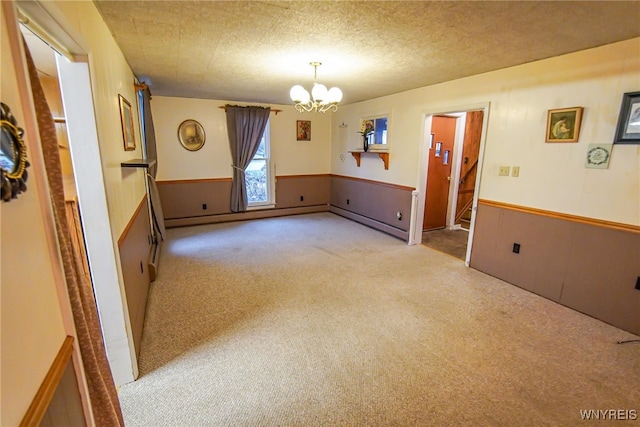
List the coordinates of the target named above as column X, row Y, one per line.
column 399, row 216
column 516, row 248
column 503, row 171
column 302, row 198
column 515, row 171
column 347, row 201
column 204, row 206
column 638, row 283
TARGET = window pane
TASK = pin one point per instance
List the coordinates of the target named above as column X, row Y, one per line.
column 261, row 149
column 256, row 181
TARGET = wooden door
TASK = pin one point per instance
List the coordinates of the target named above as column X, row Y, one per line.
column 469, row 166
column 443, row 129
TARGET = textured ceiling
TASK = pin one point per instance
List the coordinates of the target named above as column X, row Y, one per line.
column 255, row 51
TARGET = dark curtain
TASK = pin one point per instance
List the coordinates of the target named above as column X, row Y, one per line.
column 156, row 207
column 102, row 391
column 149, row 132
column 245, row 126
column 152, row 156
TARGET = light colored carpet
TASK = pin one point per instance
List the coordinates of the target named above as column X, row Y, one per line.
column 315, row 320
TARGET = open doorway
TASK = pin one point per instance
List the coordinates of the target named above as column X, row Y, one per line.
column 451, row 160
column 44, row 57
column 66, row 81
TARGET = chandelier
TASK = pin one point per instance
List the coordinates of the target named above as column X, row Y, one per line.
column 320, row 100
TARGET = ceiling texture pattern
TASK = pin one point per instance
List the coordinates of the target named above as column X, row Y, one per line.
column 254, row 51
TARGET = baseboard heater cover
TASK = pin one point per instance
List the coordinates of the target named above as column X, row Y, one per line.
column 380, row 226
column 242, row 216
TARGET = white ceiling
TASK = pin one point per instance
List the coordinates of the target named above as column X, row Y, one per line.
column 254, row 51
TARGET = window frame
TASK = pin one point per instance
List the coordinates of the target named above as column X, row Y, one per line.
column 270, row 202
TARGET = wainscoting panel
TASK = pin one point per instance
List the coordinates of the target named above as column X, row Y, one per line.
column 590, row 266
column 192, row 202
column 302, row 190
column 134, row 246
column 373, row 203
column 604, row 266
column 192, row 198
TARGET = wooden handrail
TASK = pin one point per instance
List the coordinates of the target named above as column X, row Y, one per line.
column 469, row 171
column 466, row 208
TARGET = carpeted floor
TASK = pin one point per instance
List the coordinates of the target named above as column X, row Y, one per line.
column 451, row 242
column 315, row 320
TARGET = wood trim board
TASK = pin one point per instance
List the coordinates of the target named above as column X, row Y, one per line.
column 127, row 228
column 558, row 215
column 45, row 393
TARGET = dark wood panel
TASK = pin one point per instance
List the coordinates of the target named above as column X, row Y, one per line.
column 592, row 268
column 134, row 247
column 306, row 190
column 603, row 267
column 487, row 252
column 187, row 201
column 194, row 198
column 377, row 201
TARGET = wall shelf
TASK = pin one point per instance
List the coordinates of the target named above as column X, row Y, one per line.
column 138, row 163
column 384, row 155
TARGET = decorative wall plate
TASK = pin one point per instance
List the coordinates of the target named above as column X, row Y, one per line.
column 598, row 156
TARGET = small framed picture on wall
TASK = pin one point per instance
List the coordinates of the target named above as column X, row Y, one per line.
column 126, row 120
column 563, row 125
column 303, row 130
column 628, row 129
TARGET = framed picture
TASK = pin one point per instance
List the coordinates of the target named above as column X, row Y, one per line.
column 628, row 130
column 191, row 135
column 303, row 130
column 598, row 156
column 126, row 120
column 563, row 125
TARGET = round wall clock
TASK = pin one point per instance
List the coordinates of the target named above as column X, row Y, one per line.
column 191, row 135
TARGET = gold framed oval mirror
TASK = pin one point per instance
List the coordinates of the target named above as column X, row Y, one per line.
column 191, row 135
column 13, row 157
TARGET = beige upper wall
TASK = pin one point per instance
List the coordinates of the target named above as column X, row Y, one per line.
column 213, row 160
column 552, row 176
column 32, row 322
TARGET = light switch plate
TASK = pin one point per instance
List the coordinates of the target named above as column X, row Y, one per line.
column 503, row 171
column 515, row 171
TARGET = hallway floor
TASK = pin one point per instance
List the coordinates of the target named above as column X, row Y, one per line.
column 451, row 242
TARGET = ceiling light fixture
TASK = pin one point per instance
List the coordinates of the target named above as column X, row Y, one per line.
column 320, row 100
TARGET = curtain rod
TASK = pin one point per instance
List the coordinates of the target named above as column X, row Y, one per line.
column 273, row 110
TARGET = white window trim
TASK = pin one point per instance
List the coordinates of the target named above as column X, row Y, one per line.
column 271, row 200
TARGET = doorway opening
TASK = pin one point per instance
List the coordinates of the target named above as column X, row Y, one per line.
column 67, row 85
column 451, row 162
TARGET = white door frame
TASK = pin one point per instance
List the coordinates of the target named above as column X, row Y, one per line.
column 423, row 155
column 77, row 98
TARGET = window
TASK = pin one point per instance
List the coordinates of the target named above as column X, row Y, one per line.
column 379, row 135
column 258, row 176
